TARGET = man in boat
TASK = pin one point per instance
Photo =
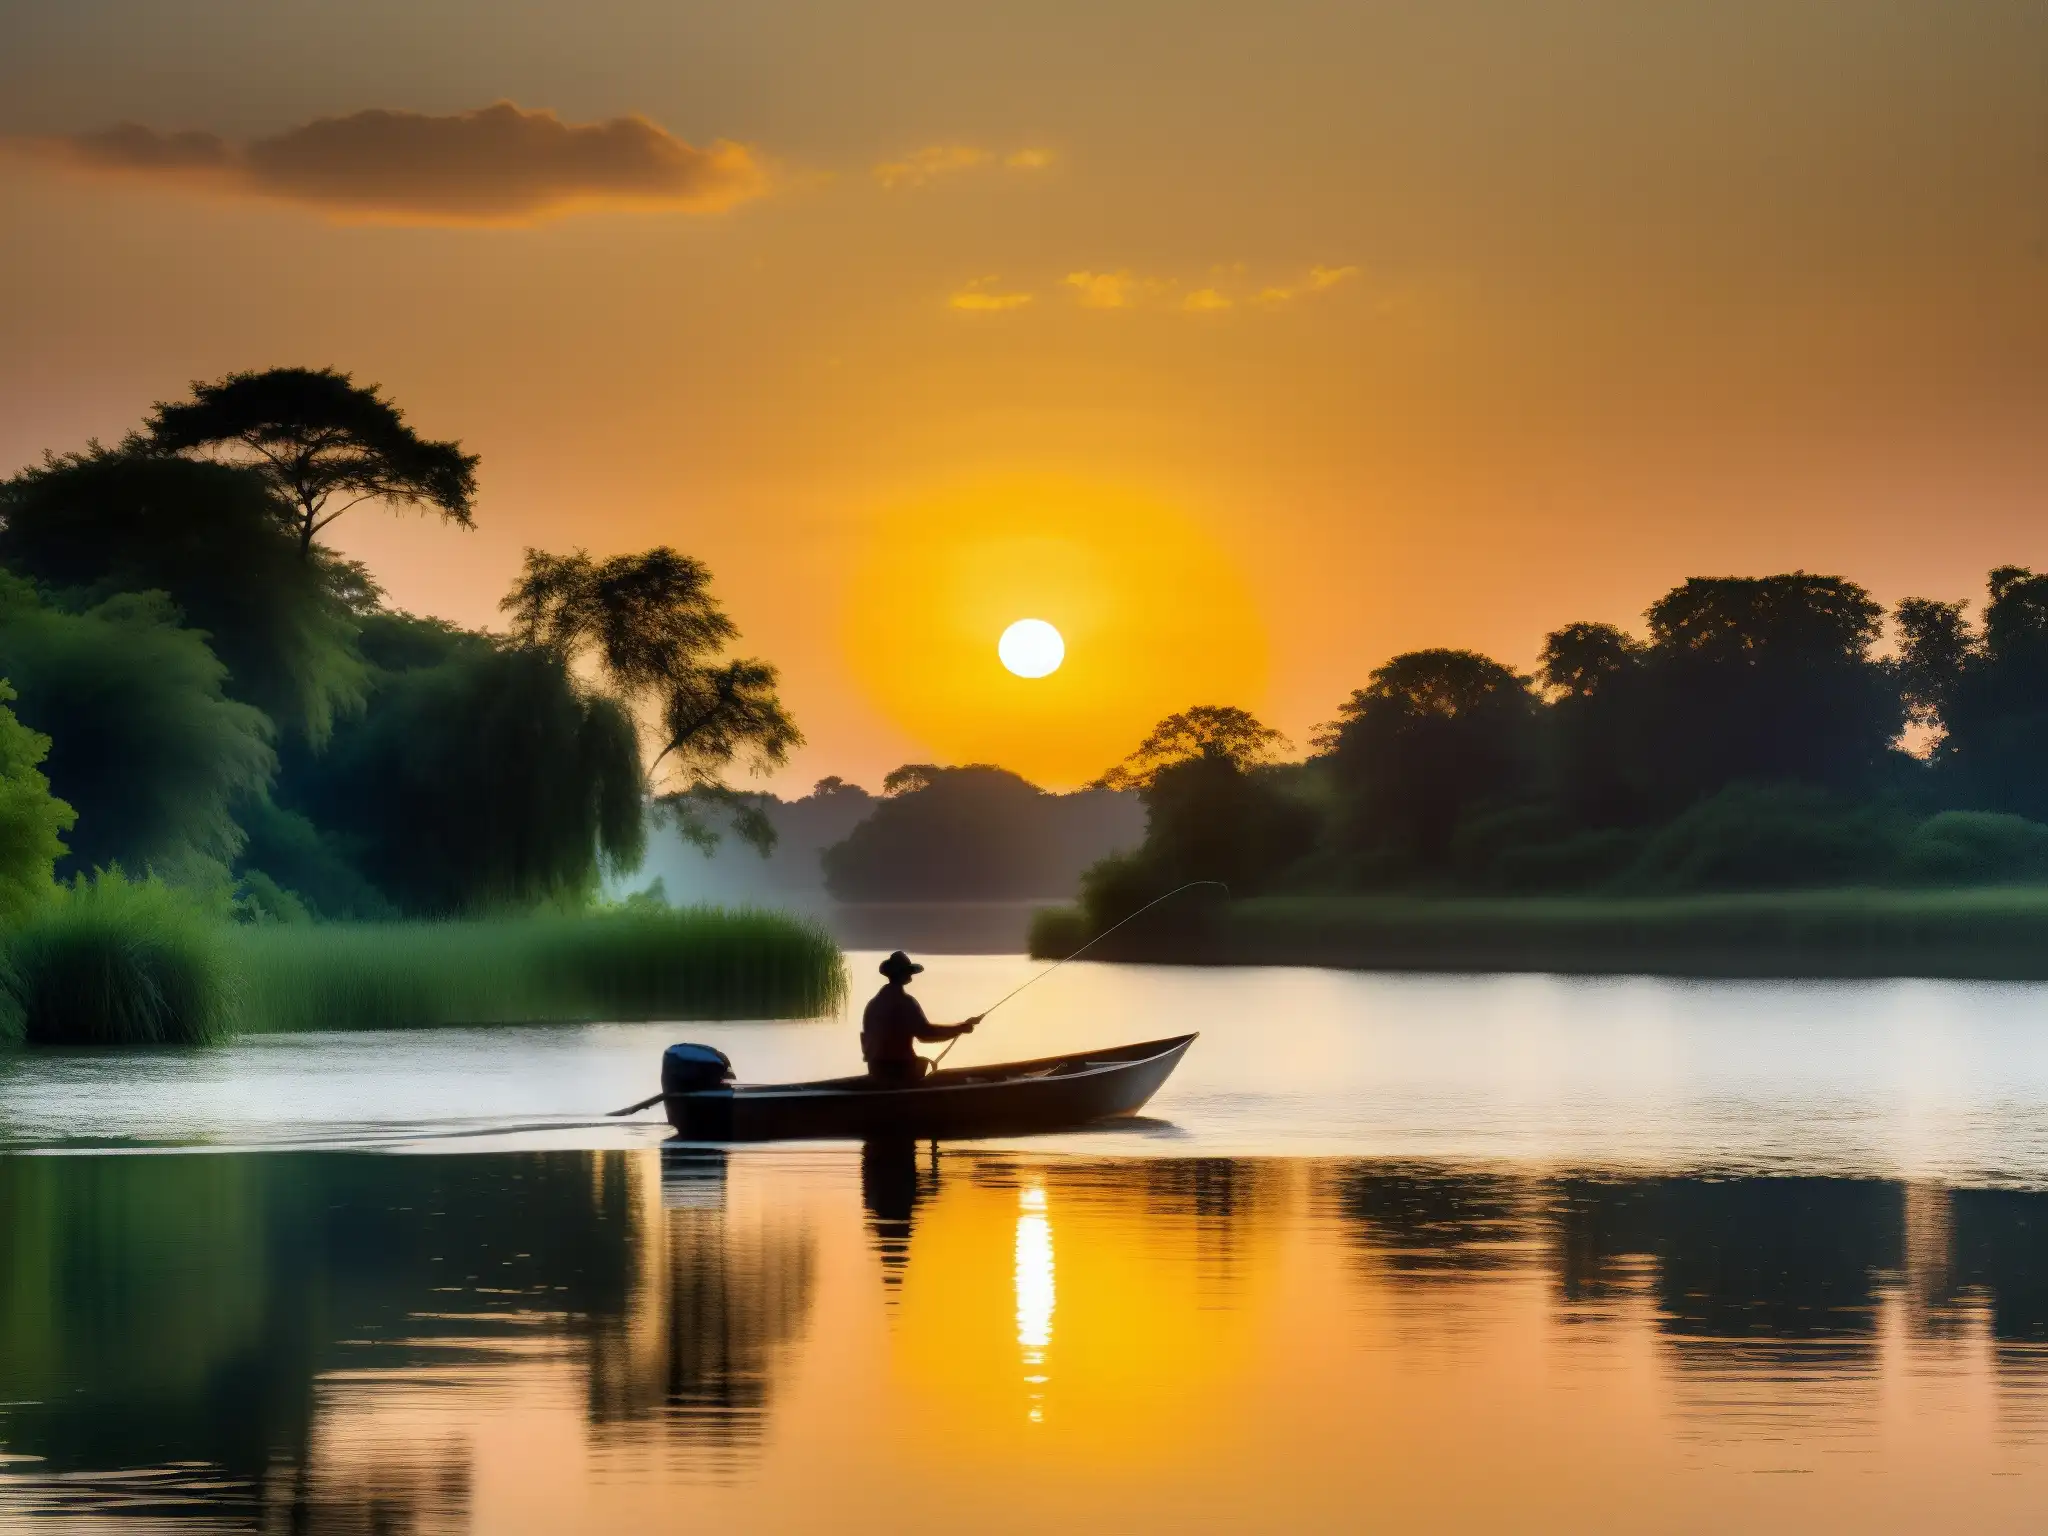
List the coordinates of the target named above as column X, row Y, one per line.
column 894, row 1022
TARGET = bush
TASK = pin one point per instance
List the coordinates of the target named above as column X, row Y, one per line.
column 112, row 961
column 642, row 963
column 1975, row 848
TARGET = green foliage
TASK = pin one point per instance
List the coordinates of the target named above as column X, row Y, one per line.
column 1766, row 837
column 114, row 961
column 1995, row 933
column 649, row 624
column 314, row 867
column 32, row 820
column 218, row 541
column 317, row 435
column 143, row 742
column 1975, row 848
column 645, row 962
column 478, row 778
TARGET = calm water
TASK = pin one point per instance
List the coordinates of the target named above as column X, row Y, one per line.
column 1499, row 1253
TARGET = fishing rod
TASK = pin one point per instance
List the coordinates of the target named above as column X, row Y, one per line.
column 649, row 1103
column 1112, row 928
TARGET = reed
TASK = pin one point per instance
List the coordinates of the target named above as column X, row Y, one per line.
column 117, row 962
column 691, row 963
column 1984, row 933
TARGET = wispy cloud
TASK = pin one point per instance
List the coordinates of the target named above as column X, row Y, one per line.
column 1319, row 280
column 1225, row 289
column 1112, row 290
column 936, row 160
column 984, row 297
column 499, row 165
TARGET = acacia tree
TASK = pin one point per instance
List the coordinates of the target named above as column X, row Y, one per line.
column 650, row 626
column 326, row 442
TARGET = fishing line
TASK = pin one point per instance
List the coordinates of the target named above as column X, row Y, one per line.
column 649, row 1103
column 1112, row 928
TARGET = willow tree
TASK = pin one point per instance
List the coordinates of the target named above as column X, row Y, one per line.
column 481, row 776
column 326, row 442
column 649, row 627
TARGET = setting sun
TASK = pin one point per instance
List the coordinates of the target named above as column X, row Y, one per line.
column 1032, row 648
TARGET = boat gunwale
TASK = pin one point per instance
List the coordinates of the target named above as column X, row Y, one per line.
column 960, row 1079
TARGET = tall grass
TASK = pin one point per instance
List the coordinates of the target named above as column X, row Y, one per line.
column 1988, row 933
column 692, row 963
column 117, row 962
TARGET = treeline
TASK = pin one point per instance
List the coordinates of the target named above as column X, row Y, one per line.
column 1757, row 735
column 200, row 691
column 934, row 834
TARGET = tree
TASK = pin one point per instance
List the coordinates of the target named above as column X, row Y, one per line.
column 1208, row 731
column 216, row 539
column 1764, row 679
column 1986, row 690
column 1432, row 735
column 143, row 741
column 32, row 820
column 650, row 626
column 480, row 776
column 1581, row 659
column 326, row 443
column 976, row 833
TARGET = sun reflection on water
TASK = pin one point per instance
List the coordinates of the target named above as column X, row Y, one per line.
column 1035, row 1294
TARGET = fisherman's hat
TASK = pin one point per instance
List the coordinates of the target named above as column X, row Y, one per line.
column 899, row 965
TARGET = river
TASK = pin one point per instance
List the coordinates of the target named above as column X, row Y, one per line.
column 1388, row 1252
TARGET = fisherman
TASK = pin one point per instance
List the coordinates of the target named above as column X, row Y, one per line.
column 894, row 1021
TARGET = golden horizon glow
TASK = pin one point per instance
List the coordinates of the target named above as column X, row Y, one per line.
column 1153, row 618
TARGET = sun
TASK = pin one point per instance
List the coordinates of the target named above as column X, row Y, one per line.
column 1032, row 648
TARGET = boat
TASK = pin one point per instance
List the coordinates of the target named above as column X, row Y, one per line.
column 1054, row 1093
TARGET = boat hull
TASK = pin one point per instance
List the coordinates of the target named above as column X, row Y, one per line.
column 1015, row 1098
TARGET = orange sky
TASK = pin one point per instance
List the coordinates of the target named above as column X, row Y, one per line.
column 1266, row 340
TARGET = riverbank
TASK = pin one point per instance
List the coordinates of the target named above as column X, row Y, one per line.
column 132, row 965
column 1992, row 934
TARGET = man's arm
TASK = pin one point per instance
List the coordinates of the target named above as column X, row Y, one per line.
column 926, row 1030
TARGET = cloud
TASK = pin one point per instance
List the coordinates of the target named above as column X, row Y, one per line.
column 1124, row 289
column 498, row 165
column 980, row 296
column 936, row 160
column 1108, row 290
column 1319, row 280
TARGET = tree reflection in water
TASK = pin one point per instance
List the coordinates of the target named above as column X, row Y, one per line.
column 300, row 1341
column 270, row 1338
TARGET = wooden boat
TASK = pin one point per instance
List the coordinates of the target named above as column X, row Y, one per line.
column 1051, row 1094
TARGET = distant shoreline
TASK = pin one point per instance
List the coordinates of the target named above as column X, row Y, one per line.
column 1985, row 934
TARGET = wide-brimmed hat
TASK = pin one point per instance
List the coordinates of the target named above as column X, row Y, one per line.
column 899, row 965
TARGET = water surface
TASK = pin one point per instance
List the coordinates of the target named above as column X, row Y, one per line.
column 1390, row 1252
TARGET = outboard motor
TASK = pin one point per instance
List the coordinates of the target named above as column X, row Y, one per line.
column 694, row 1068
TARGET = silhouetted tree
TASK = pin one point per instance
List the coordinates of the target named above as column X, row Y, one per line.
column 216, row 539
column 975, row 833
column 650, row 625
column 318, row 436
column 1986, row 690
column 1208, row 731
column 1432, row 736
